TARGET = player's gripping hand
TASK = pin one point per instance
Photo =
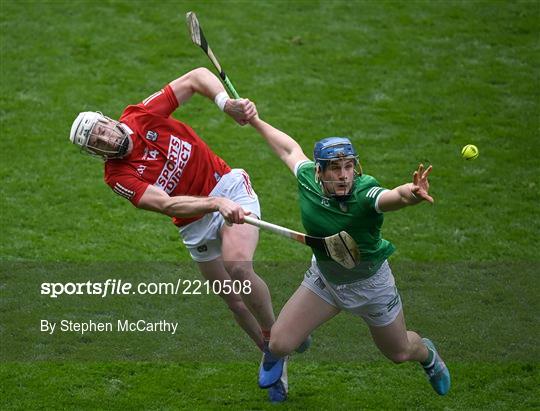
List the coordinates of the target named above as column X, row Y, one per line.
column 231, row 212
column 241, row 110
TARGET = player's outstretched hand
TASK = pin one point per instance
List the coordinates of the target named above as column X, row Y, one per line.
column 241, row 110
column 231, row 212
column 420, row 187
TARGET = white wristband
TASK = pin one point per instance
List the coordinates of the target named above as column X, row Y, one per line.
column 221, row 99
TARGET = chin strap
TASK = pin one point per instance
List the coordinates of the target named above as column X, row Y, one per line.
column 124, row 145
column 122, row 150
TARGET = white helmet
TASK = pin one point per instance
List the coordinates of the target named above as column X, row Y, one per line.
column 107, row 140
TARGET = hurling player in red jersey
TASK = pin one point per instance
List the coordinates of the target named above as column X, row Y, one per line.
column 160, row 164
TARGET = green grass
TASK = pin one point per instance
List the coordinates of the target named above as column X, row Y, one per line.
column 407, row 81
column 316, row 386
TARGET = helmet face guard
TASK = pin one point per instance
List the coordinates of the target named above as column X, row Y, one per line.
column 327, row 151
column 99, row 135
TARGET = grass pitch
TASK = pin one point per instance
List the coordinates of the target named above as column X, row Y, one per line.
column 408, row 82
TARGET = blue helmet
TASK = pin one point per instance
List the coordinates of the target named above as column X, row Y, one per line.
column 333, row 148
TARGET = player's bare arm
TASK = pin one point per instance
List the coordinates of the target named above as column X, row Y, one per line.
column 155, row 199
column 202, row 81
column 408, row 194
column 285, row 147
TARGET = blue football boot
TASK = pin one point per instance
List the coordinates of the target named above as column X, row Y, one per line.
column 437, row 373
column 270, row 370
column 278, row 392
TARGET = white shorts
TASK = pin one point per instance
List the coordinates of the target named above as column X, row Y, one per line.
column 375, row 299
column 202, row 237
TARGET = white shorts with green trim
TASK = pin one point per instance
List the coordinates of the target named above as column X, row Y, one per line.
column 202, row 237
column 375, row 299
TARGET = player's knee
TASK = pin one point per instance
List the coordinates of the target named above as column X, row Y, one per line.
column 280, row 345
column 240, row 271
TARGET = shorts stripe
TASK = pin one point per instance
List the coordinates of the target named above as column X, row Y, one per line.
column 247, row 184
column 393, row 303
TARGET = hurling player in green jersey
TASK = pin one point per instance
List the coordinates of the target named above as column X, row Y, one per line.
column 335, row 195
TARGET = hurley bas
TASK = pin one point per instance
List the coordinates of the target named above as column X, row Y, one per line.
column 83, row 327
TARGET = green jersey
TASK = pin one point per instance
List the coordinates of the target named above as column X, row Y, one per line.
column 323, row 216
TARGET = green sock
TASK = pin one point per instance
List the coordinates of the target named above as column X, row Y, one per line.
column 429, row 359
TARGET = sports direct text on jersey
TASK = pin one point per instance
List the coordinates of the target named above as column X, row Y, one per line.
column 177, row 158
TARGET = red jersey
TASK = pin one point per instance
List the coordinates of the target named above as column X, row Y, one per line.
column 166, row 153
